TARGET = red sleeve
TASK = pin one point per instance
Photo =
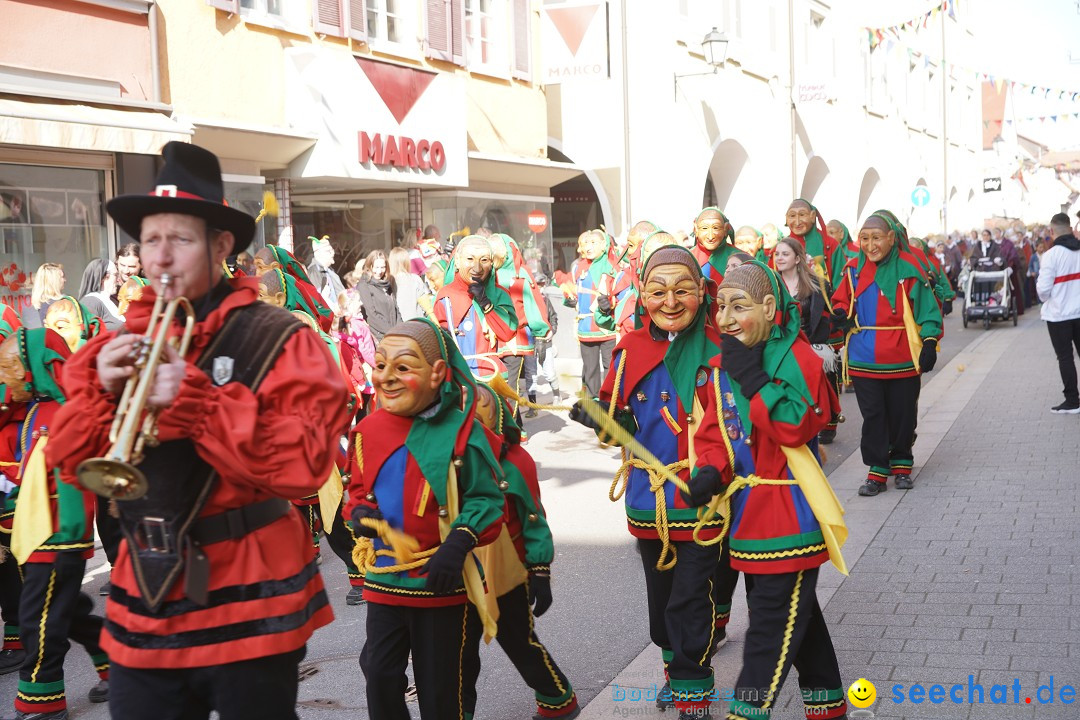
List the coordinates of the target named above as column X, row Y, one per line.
column 281, row 439
column 841, row 298
column 779, row 398
column 709, row 441
column 359, row 484
column 440, row 312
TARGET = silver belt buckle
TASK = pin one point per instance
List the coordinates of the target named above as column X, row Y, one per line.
column 155, row 535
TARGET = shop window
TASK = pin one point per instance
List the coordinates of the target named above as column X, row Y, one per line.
column 356, row 225
column 49, row 215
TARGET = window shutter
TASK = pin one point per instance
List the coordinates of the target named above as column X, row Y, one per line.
column 230, row 6
column 328, row 18
column 438, row 30
column 523, row 40
column 457, row 31
column 358, row 20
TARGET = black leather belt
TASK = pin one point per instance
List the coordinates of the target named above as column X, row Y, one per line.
column 237, row 523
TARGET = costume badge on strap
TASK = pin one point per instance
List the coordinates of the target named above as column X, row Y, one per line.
column 223, row 370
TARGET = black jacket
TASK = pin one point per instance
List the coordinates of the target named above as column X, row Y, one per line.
column 380, row 306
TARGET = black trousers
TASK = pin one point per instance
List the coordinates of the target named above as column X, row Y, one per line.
column 517, row 637
column 725, row 579
column 10, row 590
column 890, row 410
column 263, row 688
column 340, row 537
column 779, row 604
column 682, row 615
column 1064, row 336
column 436, row 636
column 53, row 610
column 595, row 359
column 513, row 365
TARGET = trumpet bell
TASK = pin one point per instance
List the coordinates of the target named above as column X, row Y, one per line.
column 112, row 479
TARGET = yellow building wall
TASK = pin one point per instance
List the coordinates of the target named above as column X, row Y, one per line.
column 221, row 67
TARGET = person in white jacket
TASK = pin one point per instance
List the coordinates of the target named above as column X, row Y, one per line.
column 1059, row 289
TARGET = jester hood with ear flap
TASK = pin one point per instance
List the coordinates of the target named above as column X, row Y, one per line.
column 513, row 275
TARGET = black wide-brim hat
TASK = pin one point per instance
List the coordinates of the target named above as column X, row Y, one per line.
column 189, row 184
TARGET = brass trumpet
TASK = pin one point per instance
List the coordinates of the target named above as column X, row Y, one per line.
column 116, row 476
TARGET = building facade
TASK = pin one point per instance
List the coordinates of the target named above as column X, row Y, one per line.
column 801, row 107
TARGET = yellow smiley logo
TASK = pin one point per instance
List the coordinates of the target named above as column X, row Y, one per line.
column 862, row 693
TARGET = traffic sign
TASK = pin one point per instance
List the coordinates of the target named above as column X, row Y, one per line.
column 920, row 196
column 538, row 221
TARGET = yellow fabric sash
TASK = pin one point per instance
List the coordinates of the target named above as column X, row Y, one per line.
column 33, row 522
column 474, row 584
column 330, row 495
column 822, row 500
column 914, row 340
column 503, row 570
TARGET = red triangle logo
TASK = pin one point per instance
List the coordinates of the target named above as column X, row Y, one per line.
column 572, row 22
column 399, row 87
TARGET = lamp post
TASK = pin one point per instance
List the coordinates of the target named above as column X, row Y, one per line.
column 714, row 46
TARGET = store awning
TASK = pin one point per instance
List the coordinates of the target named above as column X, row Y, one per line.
column 85, row 127
column 269, row 146
column 505, row 170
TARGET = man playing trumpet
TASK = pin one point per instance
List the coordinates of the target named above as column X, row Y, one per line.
column 215, row 590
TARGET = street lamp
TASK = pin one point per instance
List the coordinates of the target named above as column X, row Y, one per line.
column 715, row 48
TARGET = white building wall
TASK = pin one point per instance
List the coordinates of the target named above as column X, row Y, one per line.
column 736, row 125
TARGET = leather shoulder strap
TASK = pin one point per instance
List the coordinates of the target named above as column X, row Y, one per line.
column 252, row 338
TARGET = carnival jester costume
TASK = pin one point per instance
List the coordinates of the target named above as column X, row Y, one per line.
column 656, row 389
column 423, row 467
column 478, row 313
column 767, row 400
column 713, row 236
column 52, row 532
column 806, row 225
column 893, row 323
column 596, row 283
column 518, row 568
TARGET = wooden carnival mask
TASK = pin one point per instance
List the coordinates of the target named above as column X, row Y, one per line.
column 672, row 293
column 65, row 318
column 800, row 218
column 474, row 259
column 746, row 305
column 711, row 229
column 409, row 370
column 12, row 372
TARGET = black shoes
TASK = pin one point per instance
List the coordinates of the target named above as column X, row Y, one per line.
column 11, row 660
column 104, row 591
column 870, row 488
column 54, row 715
column 904, row 482
column 1066, row 408
column 355, row 596
column 99, row 693
column 826, row 437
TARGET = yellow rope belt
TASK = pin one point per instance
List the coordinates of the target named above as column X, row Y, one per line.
column 403, row 548
column 859, row 329
column 721, row 504
column 657, row 481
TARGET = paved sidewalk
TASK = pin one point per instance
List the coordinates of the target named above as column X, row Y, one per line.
column 970, row 573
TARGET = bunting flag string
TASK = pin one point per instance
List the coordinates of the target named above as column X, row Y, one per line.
column 891, row 38
column 922, row 22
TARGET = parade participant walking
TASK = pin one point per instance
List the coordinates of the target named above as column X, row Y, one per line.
column 522, row 588
column 478, row 313
column 421, row 465
column 655, row 389
column 1059, row 289
column 595, row 279
column 767, row 400
column 514, row 276
column 274, row 257
column 248, row 419
column 12, row 415
column 893, row 322
column 750, row 241
column 713, row 234
column 52, row 535
column 628, row 309
column 806, row 224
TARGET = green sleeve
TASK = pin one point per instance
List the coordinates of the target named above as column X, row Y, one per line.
column 926, row 309
column 478, row 481
column 539, row 546
column 71, row 512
